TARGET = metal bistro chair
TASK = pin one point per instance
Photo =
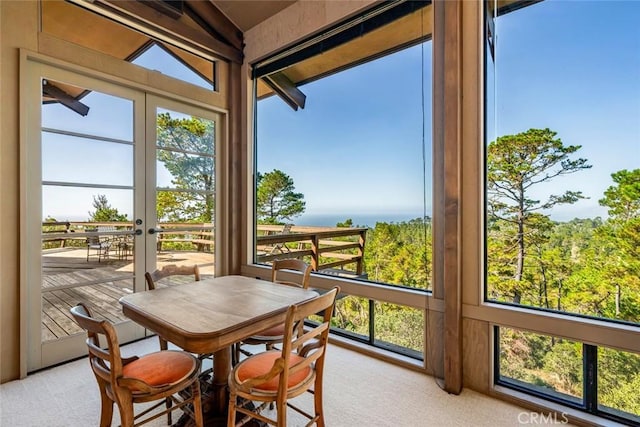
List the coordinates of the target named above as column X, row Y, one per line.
column 275, row 335
column 278, row 376
column 100, row 244
column 161, row 375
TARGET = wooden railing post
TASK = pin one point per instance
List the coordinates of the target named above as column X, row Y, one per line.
column 315, row 255
column 325, row 246
column 360, row 263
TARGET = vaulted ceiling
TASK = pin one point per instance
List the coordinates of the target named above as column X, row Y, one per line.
column 215, row 28
column 247, row 14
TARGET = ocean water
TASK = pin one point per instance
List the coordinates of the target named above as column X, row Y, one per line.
column 365, row 220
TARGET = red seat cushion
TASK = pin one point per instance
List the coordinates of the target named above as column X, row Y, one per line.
column 161, row 368
column 274, row 331
column 262, row 363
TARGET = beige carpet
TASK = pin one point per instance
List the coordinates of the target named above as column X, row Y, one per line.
column 359, row 391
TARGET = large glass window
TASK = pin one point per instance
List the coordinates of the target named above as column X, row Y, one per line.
column 563, row 157
column 598, row 380
column 343, row 164
column 563, row 191
column 348, row 177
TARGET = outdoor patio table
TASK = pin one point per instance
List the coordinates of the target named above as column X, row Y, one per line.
column 210, row 315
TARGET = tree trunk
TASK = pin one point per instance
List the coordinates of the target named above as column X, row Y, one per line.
column 544, row 288
column 559, row 295
column 517, row 294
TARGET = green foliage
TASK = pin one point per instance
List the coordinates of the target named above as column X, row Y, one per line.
column 399, row 325
column 623, row 198
column 625, row 396
column 562, row 365
column 187, row 151
column 276, row 199
column 352, row 314
column 541, row 360
column 584, row 266
column 516, row 163
column 619, row 380
column 104, row 212
column 400, row 253
column 347, row 223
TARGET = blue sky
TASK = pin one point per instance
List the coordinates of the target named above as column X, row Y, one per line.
column 355, row 150
column 574, row 67
column 356, row 147
column 571, row 66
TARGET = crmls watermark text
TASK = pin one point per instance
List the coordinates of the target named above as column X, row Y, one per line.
column 542, row 419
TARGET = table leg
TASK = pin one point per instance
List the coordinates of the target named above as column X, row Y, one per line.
column 221, row 370
column 215, row 397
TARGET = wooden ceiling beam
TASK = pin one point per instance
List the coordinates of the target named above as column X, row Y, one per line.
column 141, row 14
column 64, row 98
column 216, row 23
column 286, row 90
column 172, row 8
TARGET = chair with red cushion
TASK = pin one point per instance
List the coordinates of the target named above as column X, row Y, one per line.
column 171, row 270
column 162, row 277
column 275, row 335
column 280, row 375
column 159, row 376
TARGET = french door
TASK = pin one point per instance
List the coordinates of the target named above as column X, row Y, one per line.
column 117, row 182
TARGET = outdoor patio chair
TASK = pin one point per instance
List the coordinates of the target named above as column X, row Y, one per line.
column 280, row 375
column 282, row 247
column 100, row 244
column 275, row 335
column 124, row 247
column 169, row 376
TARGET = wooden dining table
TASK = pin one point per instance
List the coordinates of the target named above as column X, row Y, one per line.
column 209, row 316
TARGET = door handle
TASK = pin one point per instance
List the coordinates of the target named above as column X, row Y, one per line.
column 155, row 230
column 138, row 232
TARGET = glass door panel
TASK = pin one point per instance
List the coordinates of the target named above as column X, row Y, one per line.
column 87, row 157
column 184, row 190
column 117, row 182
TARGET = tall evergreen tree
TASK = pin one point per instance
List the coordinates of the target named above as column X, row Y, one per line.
column 187, row 153
column 276, row 199
column 104, row 212
column 516, row 164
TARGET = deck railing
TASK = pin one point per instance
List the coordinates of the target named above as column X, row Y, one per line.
column 327, row 248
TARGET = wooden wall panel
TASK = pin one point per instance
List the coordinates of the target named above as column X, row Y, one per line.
column 434, row 356
column 72, row 53
column 447, row 169
column 19, row 23
column 476, row 355
column 295, row 23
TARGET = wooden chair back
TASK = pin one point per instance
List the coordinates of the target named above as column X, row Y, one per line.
column 309, row 350
column 116, row 386
column 275, row 336
column 171, row 270
column 312, row 343
column 291, row 264
column 106, row 362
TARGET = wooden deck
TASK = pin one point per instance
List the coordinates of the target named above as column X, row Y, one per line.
column 68, row 278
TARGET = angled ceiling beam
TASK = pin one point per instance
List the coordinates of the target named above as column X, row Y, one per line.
column 286, row 89
column 216, row 23
column 171, row 8
column 138, row 15
column 64, row 98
